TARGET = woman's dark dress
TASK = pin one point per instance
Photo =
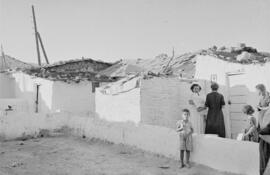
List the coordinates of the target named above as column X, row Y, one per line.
column 215, row 120
column 264, row 149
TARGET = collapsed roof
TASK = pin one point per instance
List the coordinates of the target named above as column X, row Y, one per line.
column 184, row 65
column 87, row 69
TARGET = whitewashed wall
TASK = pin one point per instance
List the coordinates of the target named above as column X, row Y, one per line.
column 162, row 100
column 76, row 98
column 55, row 96
column 6, row 86
column 120, row 107
column 253, row 74
column 221, row 154
column 208, row 65
column 25, row 88
column 18, row 105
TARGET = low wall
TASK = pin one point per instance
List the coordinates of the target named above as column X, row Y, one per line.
column 218, row 153
column 222, row 154
column 6, row 86
column 18, row 124
column 18, row 105
column 120, row 104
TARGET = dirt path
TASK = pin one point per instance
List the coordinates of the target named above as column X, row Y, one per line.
column 66, row 156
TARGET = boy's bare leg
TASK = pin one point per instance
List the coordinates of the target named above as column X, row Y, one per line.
column 187, row 158
column 182, row 152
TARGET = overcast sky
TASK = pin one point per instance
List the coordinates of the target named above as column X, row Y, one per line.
column 129, row 29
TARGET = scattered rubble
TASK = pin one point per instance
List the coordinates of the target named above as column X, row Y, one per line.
column 16, row 164
column 86, row 69
column 184, row 65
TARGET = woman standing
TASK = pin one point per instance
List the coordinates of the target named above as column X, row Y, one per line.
column 263, row 106
column 215, row 119
column 197, row 100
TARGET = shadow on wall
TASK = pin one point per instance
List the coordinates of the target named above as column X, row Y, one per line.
column 26, row 88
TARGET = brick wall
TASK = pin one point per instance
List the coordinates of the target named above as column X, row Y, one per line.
column 82, row 66
column 162, row 100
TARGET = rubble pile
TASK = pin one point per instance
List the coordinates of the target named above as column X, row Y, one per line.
column 87, row 69
column 184, row 65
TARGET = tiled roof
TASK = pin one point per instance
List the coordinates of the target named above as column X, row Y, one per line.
column 68, row 76
column 72, row 71
column 72, row 61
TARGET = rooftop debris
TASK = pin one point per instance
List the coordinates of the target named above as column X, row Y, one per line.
column 72, row 71
column 184, row 65
column 84, row 64
column 15, row 64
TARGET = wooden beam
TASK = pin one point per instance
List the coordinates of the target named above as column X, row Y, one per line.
column 4, row 63
column 36, row 36
column 43, row 49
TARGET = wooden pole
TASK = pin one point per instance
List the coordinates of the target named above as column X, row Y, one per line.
column 43, row 49
column 4, row 63
column 165, row 69
column 36, row 35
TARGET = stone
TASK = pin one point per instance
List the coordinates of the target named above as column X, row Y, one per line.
column 266, row 59
column 244, row 56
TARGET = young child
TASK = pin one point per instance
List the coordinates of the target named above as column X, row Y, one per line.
column 250, row 133
column 185, row 130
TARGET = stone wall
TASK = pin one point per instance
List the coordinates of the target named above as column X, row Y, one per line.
column 162, row 100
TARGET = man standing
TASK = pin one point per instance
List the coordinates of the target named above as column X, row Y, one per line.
column 215, row 119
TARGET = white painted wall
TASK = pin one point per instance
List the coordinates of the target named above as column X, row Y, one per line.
column 120, row 107
column 76, row 98
column 6, row 86
column 162, row 100
column 18, row 124
column 222, row 154
column 253, row 75
column 54, row 95
column 207, row 65
column 18, row 105
column 25, row 88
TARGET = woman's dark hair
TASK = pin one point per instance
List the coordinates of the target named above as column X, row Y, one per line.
column 186, row 110
column 248, row 109
column 262, row 88
column 194, row 85
column 214, row 86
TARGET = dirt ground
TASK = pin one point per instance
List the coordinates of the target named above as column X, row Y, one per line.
column 68, row 155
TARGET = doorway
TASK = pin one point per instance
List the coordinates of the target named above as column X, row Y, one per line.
column 237, row 94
